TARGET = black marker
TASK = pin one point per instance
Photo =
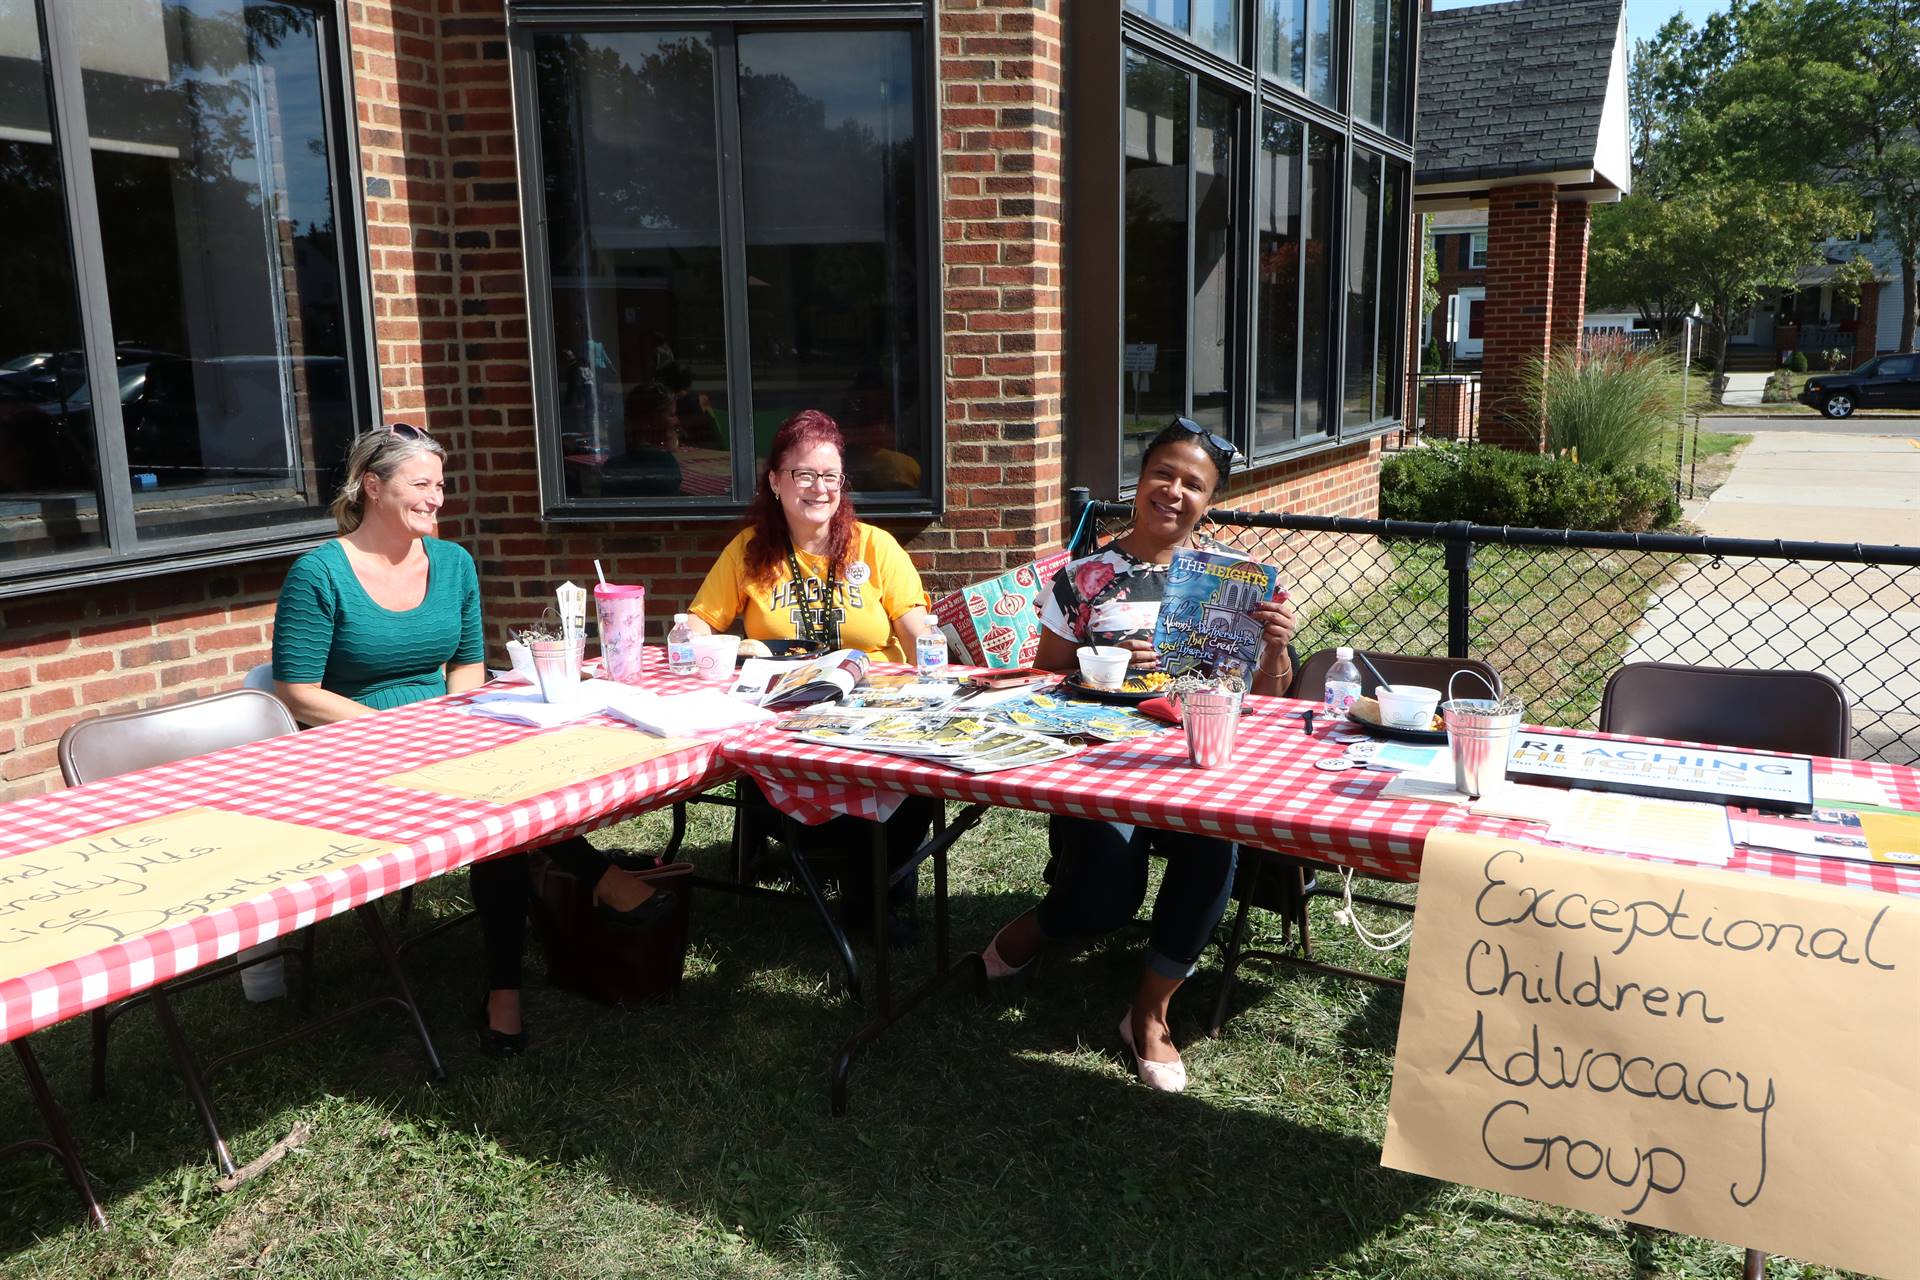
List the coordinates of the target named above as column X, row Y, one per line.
column 1306, row 723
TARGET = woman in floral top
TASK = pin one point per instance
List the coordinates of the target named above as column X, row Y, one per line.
column 1097, row 875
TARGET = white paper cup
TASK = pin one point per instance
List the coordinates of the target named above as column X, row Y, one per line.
column 521, row 657
column 1407, row 706
column 1104, row 666
column 715, row 655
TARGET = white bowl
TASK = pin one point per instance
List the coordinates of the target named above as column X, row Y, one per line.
column 715, row 655
column 1407, row 706
column 1104, row 666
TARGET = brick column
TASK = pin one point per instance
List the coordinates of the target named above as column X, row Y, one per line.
column 1519, row 311
column 1572, row 221
column 1001, row 155
column 1866, row 337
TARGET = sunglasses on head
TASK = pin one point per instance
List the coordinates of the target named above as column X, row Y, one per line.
column 1219, row 443
column 406, row 431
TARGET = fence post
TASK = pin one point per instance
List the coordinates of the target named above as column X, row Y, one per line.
column 1459, row 561
column 1078, row 496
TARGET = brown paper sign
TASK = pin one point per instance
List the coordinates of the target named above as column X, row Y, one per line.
column 71, row 899
column 1723, row 1055
column 537, row 765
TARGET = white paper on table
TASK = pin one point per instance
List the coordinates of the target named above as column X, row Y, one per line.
column 1683, row 830
column 1411, row 786
column 1523, row 802
column 683, row 715
column 520, row 705
column 1849, row 788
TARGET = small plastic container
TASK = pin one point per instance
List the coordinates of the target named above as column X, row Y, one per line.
column 1104, row 666
column 714, row 656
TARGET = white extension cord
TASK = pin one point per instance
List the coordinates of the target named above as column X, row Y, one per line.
column 1344, row 913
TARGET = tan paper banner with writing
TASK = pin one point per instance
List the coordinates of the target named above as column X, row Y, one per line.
column 1728, row 1056
column 535, row 766
column 71, row 899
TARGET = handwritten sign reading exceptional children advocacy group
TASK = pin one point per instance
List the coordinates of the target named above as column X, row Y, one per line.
column 71, row 899
column 537, row 765
column 1727, row 1056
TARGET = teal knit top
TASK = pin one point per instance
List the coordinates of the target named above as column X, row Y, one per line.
column 328, row 631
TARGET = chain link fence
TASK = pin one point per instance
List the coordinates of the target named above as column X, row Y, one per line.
column 1556, row 612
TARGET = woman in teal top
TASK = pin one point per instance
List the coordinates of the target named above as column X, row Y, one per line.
column 387, row 614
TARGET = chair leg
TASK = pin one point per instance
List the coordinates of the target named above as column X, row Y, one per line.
column 679, row 832
column 307, row 983
column 404, row 912
column 58, row 1140
column 376, row 928
column 1231, row 957
column 1756, row 1266
column 196, row 1085
column 97, row 1081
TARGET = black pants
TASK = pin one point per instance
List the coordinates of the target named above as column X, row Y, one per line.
column 502, row 891
column 840, row 848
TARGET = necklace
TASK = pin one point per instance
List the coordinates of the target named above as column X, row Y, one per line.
column 813, row 622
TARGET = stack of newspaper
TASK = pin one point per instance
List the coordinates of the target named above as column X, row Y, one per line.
column 960, row 739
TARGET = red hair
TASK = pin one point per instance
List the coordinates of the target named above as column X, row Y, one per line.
column 766, row 551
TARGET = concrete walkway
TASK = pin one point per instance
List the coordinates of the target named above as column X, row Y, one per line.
column 1744, row 388
column 1858, row 623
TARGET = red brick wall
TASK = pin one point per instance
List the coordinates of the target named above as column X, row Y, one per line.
column 1519, row 314
column 450, row 328
column 1572, row 223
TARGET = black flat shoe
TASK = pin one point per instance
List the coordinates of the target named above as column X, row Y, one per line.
column 638, row 918
column 499, row 1044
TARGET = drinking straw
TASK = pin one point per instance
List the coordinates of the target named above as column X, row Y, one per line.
column 1380, row 681
column 602, row 572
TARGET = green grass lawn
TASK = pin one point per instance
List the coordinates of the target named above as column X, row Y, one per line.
column 987, row 1139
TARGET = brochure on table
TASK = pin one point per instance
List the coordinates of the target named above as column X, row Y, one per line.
column 1711, row 775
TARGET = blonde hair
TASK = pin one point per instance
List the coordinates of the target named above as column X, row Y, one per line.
column 383, row 451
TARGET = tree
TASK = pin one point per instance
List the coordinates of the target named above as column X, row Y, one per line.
column 1636, row 259
column 1827, row 92
column 1735, row 243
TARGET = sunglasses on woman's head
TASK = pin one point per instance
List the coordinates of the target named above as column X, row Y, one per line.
column 406, row 431
column 1219, row 443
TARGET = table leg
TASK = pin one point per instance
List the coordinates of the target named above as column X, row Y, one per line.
column 59, row 1141
column 190, row 1077
column 887, row 1010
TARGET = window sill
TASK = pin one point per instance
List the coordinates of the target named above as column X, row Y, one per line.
column 80, row 576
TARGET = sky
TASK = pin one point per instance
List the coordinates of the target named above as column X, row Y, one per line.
column 1643, row 16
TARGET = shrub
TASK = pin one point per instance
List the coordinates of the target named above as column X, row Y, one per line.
column 1779, row 388
column 1490, row 485
column 1430, row 362
column 1608, row 407
column 1797, row 362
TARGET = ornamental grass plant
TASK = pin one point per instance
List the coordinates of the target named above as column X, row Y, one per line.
column 1608, row 407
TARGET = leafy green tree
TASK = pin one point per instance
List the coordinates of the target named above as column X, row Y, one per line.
column 1636, row 259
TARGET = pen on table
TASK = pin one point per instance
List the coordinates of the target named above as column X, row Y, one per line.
column 1306, row 723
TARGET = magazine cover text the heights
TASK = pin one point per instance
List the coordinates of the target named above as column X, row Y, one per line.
column 1206, row 624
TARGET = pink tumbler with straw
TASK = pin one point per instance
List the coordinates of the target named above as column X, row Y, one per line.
column 623, row 630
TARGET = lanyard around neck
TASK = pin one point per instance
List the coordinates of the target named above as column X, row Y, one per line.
column 813, row 623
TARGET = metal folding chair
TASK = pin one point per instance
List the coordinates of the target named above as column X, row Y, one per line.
column 114, row 744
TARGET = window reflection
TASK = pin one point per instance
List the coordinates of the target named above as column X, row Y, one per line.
column 1371, row 19
column 1214, row 200
column 1278, row 290
column 1283, row 41
column 212, row 165
column 49, row 480
column 1363, row 285
column 634, row 250
column 1154, row 364
column 830, row 167
column 1318, row 384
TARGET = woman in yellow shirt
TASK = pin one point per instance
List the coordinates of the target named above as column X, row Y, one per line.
column 805, row 570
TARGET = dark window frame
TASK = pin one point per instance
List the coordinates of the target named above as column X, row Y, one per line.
column 723, row 23
column 125, row 556
column 1095, row 165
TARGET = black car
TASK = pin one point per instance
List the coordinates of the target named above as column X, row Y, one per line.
column 1885, row 382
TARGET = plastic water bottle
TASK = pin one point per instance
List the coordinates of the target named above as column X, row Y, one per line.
column 680, row 647
column 930, row 655
column 1343, row 684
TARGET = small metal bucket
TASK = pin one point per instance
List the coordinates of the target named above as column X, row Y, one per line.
column 1480, row 735
column 1211, row 721
column 556, row 665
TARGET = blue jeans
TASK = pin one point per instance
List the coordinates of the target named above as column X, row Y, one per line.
column 1097, row 879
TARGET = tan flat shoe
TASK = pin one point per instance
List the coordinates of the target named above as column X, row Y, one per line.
column 1167, row 1077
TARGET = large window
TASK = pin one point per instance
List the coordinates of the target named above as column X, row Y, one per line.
column 1260, row 231
column 171, row 179
column 728, row 225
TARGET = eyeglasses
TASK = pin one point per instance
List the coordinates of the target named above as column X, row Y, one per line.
column 1220, row 443
column 406, row 431
column 808, row 478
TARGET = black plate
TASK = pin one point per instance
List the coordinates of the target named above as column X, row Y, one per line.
column 1392, row 734
column 1073, row 688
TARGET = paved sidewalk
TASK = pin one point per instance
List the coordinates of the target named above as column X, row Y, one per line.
column 1744, row 388
column 1859, row 624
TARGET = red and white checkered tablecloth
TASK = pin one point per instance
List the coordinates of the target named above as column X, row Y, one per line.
column 1271, row 796
column 326, row 778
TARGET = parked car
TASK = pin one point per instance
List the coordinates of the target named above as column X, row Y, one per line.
column 1885, row 382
